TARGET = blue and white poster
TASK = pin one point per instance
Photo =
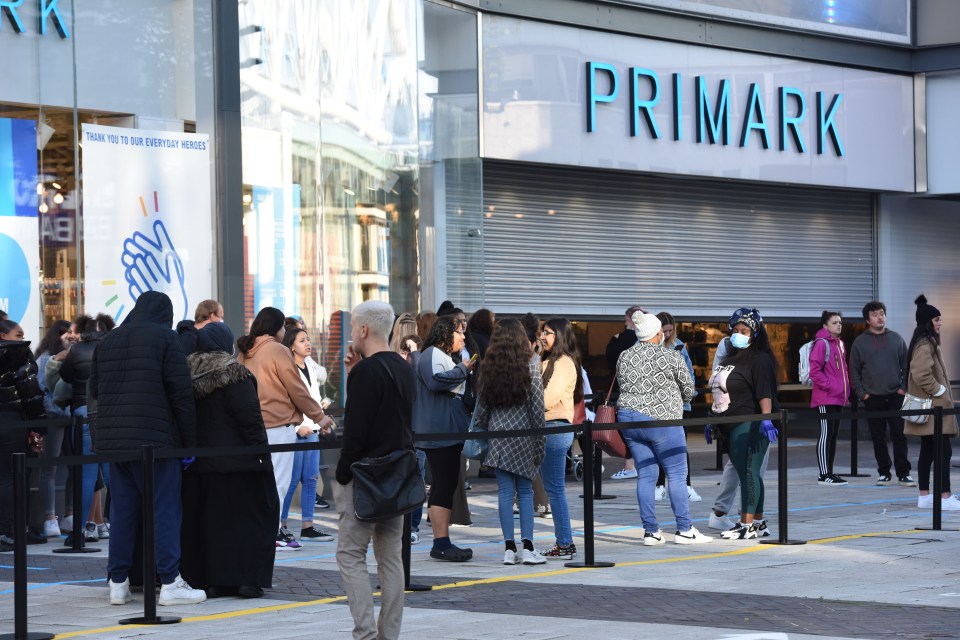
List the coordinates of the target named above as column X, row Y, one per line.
column 147, row 219
column 19, row 227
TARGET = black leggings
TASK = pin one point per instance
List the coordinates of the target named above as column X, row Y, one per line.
column 827, row 442
column 925, row 463
column 444, row 474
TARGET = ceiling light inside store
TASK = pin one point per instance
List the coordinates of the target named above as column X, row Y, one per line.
column 550, row 212
column 58, row 198
column 39, row 188
column 43, row 207
column 247, row 198
column 56, row 185
column 349, row 191
column 518, row 215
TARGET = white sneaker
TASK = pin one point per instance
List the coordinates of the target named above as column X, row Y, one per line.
column 51, row 529
column 925, row 502
column 120, row 592
column 720, row 523
column 624, row 474
column 950, row 504
column 532, row 557
column 693, row 495
column 103, row 530
column 691, row 537
column 414, row 537
column 509, row 557
column 653, row 539
column 661, row 493
column 179, row 592
column 66, row 525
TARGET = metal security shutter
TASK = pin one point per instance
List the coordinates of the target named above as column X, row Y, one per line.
column 582, row 242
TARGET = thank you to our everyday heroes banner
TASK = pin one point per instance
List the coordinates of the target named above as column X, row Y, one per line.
column 147, row 219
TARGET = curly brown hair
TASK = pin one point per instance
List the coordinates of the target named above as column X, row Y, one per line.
column 441, row 335
column 506, row 377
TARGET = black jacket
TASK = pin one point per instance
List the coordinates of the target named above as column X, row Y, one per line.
column 19, row 388
column 76, row 367
column 141, row 379
column 229, row 410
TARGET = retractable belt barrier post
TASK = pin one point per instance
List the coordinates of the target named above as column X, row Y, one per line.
column 20, row 632
column 937, row 489
column 598, row 476
column 77, row 544
column 854, row 440
column 405, row 556
column 782, row 505
column 588, row 505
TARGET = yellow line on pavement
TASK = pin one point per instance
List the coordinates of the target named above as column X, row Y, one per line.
column 482, row 581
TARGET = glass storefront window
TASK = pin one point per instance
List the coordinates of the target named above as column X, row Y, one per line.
column 84, row 65
column 330, row 165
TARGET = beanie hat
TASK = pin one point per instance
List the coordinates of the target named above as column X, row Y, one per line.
column 925, row 312
column 647, row 325
column 749, row 317
column 215, row 336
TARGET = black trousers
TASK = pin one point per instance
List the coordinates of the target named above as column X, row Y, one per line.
column 878, row 431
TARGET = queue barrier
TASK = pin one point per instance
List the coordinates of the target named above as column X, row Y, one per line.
column 147, row 455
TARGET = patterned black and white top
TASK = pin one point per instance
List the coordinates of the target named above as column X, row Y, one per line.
column 653, row 381
column 520, row 456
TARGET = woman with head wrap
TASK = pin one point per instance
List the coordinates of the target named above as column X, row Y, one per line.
column 230, row 503
column 746, row 384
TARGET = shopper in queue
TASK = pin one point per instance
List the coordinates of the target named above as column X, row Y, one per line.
column 831, row 390
column 284, row 399
column 746, row 384
column 654, row 384
column 927, row 378
column 440, row 408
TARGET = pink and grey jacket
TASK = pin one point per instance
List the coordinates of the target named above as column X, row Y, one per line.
column 831, row 379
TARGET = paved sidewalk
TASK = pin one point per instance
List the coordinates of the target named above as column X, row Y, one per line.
column 867, row 571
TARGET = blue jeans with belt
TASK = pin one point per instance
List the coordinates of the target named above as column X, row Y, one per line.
column 668, row 446
column 553, row 470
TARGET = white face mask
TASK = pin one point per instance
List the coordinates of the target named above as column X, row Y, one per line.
column 739, row 341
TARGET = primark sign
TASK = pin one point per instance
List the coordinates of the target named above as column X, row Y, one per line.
column 48, row 14
column 554, row 94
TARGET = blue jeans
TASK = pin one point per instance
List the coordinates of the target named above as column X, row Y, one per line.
column 553, row 470
column 668, row 446
column 306, row 468
column 89, row 472
column 509, row 484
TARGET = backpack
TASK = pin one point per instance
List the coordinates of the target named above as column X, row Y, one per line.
column 804, row 367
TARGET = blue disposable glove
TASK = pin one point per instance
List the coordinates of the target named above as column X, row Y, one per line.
column 769, row 430
column 708, row 433
column 186, row 462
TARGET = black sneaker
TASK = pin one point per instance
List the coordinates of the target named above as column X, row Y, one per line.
column 762, row 530
column 741, row 532
column 35, row 538
column 285, row 534
column 453, row 553
column 561, row 553
column 883, row 480
column 320, row 503
column 6, row 544
column 831, row 479
column 907, row 481
column 312, row 533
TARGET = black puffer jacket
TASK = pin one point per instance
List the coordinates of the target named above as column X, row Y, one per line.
column 141, row 380
column 76, row 367
column 19, row 388
column 229, row 410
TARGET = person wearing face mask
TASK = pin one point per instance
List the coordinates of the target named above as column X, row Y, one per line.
column 654, row 384
column 745, row 384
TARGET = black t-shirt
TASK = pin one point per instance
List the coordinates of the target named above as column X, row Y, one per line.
column 751, row 378
column 305, row 371
column 378, row 415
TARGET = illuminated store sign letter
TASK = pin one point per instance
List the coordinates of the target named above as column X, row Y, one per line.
column 825, row 123
column 48, row 10
column 677, row 108
column 646, row 106
column 9, row 7
column 754, row 108
column 592, row 97
column 719, row 120
column 793, row 124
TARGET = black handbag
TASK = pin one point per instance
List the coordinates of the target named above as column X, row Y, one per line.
column 388, row 486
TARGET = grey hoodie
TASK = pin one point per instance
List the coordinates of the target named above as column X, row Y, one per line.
column 878, row 363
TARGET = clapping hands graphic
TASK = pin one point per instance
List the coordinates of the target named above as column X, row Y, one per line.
column 152, row 264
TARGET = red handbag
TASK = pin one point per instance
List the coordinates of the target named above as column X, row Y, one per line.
column 609, row 441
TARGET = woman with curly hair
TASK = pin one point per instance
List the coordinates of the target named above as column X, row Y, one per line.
column 439, row 408
column 562, row 389
column 511, row 399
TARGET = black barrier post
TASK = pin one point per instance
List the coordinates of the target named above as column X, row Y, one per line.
column 78, row 545
column 20, row 554
column 782, row 538
column 149, row 547
column 588, row 505
column 405, row 555
column 937, row 471
column 854, row 440
column 597, row 470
